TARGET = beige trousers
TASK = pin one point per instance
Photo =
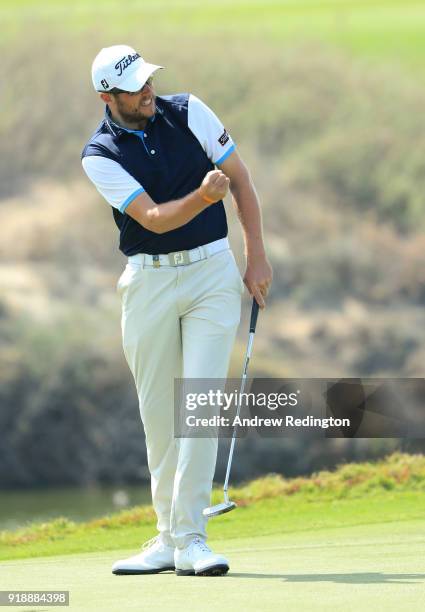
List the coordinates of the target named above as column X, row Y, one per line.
column 178, row 322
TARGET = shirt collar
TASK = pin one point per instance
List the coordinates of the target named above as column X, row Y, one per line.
column 119, row 130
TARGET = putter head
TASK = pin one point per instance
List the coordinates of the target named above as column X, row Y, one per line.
column 219, row 509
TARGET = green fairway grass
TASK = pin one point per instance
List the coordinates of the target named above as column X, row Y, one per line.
column 381, row 29
column 379, row 566
column 273, row 516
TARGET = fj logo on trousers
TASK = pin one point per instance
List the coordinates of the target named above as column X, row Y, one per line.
column 179, row 258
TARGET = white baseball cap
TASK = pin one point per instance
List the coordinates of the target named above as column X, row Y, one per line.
column 122, row 67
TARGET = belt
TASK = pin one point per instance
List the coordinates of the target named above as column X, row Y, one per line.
column 181, row 258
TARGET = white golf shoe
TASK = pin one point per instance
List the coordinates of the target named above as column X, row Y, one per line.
column 197, row 559
column 155, row 557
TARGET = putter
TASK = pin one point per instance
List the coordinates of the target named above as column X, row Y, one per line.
column 228, row 505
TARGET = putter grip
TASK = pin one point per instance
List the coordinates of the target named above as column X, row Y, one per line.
column 254, row 314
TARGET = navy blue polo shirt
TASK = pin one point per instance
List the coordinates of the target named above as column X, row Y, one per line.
column 168, row 159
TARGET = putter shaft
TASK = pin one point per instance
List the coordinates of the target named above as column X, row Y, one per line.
column 252, row 326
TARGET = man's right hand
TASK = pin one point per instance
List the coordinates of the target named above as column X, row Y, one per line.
column 214, row 186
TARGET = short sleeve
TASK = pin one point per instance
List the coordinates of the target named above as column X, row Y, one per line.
column 208, row 129
column 116, row 185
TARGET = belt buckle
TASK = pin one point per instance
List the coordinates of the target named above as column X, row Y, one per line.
column 155, row 259
column 179, row 258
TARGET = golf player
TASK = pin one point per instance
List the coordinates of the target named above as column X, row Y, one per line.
column 164, row 164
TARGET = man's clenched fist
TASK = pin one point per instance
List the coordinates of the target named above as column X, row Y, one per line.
column 214, row 186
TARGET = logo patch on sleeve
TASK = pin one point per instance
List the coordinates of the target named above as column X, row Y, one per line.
column 224, row 138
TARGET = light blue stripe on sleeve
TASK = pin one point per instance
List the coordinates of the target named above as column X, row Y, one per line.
column 226, row 155
column 130, row 199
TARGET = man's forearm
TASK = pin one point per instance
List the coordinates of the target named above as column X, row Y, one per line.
column 161, row 218
column 245, row 200
column 258, row 274
column 170, row 215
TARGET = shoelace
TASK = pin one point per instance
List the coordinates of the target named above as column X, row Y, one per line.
column 150, row 542
column 201, row 544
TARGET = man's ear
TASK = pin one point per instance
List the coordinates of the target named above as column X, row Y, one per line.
column 106, row 97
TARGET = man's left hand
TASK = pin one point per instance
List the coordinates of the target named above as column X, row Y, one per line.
column 258, row 278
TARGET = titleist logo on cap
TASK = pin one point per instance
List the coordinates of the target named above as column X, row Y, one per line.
column 125, row 63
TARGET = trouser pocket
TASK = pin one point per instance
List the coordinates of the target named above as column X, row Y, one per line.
column 132, row 272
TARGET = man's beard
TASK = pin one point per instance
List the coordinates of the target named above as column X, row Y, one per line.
column 136, row 117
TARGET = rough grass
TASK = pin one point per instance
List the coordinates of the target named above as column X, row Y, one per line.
column 399, row 471
column 352, row 482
